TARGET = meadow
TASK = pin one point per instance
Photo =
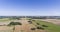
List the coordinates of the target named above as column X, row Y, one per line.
column 51, row 27
column 28, row 25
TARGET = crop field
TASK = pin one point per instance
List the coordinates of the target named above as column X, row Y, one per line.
column 29, row 25
column 52, row 27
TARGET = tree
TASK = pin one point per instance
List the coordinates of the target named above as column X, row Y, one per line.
column 14, row 23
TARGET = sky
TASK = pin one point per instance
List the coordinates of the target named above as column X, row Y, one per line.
column 29, row 7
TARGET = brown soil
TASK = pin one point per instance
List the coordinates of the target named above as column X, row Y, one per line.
column 55, row 21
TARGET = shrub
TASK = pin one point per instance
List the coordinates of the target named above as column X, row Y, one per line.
column 30, row 22
column 40, row 28
column 32, row 28
column 37, row 23
column 44, row 25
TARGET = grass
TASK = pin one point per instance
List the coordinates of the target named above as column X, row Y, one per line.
column 51, row 27
column 6, row 30
column 9, row 29
column 6, row 20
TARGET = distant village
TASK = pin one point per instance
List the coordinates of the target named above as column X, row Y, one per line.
column 33, row 17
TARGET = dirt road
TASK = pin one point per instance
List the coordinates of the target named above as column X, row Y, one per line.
column 26, row 27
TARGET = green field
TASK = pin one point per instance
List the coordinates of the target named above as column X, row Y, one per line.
column 51, row 27
column 6, row 20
